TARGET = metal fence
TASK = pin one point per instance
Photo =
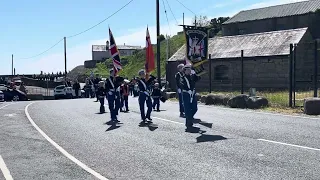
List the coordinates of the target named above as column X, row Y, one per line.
column 304, row 72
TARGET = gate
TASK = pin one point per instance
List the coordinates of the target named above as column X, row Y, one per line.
column 305, row 72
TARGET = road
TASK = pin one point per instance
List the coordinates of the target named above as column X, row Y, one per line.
column 72, row 141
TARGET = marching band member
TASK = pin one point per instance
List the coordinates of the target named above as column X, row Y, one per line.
column 156, row 95
column 125, row 95
column 113, row 96
column 144, row 95
column 178, row 76
column 101, row 94
column 187, row 84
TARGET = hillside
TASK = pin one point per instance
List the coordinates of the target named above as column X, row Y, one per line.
column 136, row 61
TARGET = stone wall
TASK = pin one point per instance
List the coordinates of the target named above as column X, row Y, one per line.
column 262, row 73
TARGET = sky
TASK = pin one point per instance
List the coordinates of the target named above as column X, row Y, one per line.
column 31, row 27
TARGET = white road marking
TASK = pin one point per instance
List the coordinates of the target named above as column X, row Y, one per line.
column 293, row 145
column 162, row 119
column 64, row 152
column 5, row 106
column 5, row 170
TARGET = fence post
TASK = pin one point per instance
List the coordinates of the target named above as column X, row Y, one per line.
column 290, row 75
column 294, row 63
column 315, row 73
column 210, row 71
column 242, row 84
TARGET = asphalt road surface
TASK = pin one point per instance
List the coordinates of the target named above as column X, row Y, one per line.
column 68, row 139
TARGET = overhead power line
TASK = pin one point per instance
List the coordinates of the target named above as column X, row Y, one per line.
column 43, row 51
column 80, row 32
column 101, row 21
column 172, row 12
column 186, row 7
column 165, row 11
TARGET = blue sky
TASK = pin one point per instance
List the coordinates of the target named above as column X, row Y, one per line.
column 30, row 27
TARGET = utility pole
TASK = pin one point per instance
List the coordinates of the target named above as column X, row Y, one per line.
column 65, row 57
column 158, row 42
column 183, row 19
column 12, row 64
column 167, row 53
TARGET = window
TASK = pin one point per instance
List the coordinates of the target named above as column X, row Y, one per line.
column 221, row 72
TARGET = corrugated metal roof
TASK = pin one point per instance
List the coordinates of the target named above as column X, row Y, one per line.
column 284, row 10
column 259, row 44
column 103, row 47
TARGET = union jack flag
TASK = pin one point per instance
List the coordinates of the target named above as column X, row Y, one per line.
column 114, row 54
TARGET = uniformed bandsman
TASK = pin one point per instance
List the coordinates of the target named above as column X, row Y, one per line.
column 101, row 94
column 178, row 76
column 113, row 94
column 145, row 95
column 187, row 84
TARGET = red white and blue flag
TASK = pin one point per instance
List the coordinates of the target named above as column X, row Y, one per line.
column 114, row 54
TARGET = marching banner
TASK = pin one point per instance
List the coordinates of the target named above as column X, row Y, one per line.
column 197, row 47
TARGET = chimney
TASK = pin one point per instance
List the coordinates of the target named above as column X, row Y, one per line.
column 107, row 45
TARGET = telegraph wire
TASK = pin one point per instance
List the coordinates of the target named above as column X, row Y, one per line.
column 172, row 12
column 101, row 21
column 43, row 51
column 186, row 7
column 165, row 11
column 79, row 32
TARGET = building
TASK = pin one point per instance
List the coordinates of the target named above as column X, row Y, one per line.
column 101, row 53
column 265, row 55
column 264, row 35
column 275, row 18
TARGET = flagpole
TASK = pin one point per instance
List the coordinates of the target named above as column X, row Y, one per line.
column 158, row 43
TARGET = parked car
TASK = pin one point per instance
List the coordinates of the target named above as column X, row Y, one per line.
column 63, row 91
column 3, row 87
column 14, row 95
column 1, row 96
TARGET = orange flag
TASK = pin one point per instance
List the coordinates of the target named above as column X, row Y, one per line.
column 150, row 65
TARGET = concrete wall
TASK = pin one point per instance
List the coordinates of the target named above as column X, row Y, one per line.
column 39, row 83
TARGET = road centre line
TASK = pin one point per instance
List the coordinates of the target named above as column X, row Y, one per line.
column 64, row 152
column 286, row 144
column 5, row 170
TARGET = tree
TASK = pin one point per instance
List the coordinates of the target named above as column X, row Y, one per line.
column 201, row 21
column 161, row 37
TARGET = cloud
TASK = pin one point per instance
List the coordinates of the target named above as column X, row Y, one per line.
column 78, row 54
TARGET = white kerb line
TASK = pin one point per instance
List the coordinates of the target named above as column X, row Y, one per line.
column 64, row 152
column 5, row 170
column 293, row 145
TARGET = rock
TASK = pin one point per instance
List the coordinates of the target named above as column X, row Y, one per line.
column 217, row 99
column 203, row 99
column 312, row 106
column 198, row 96
column 238, row 101
column 171, row 95
column 256, row 102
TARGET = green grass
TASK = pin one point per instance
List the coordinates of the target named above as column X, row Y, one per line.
column 137, row 61
column 277, row 99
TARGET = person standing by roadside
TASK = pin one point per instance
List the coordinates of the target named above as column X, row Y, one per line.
column 125, row 95
column 96, row 85
column 178, row 76
column 101, row 93
column 76, row 87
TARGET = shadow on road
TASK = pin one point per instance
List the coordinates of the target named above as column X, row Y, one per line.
column 203, row 123
column 209, row 138
column 113, row 125
column 150, row 126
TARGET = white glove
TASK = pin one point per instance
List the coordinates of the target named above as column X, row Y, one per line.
column 179, row 90
column 110, row 93
column 193, row 72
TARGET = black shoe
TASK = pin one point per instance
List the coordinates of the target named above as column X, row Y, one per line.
column 149, row 118
column 158, row 110
column 182, row 115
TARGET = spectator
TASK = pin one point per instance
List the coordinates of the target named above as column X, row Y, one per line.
column 76, row 87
